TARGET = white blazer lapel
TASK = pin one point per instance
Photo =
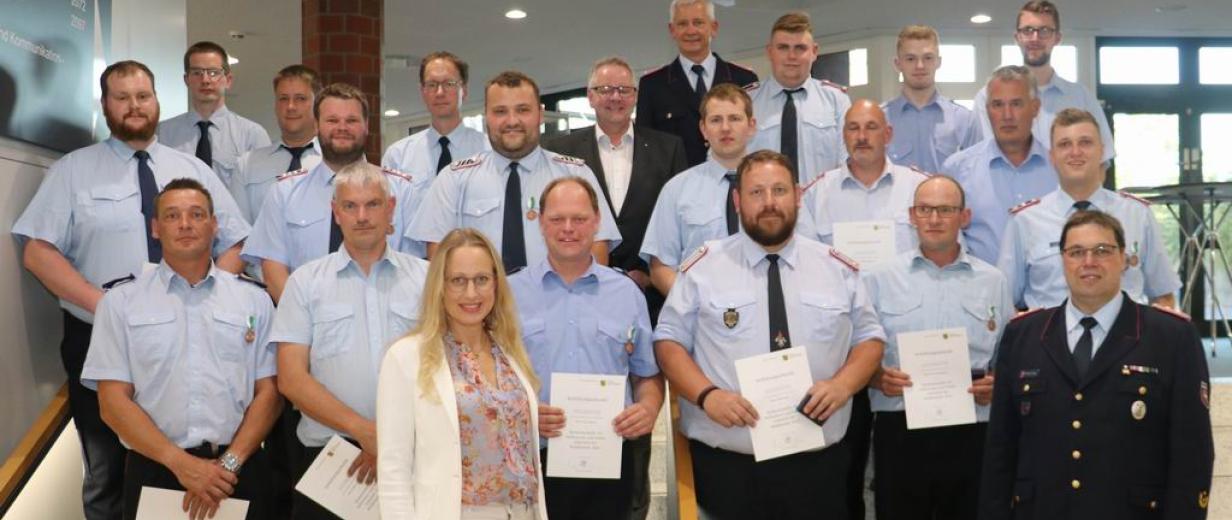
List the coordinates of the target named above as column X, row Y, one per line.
column 443, row 379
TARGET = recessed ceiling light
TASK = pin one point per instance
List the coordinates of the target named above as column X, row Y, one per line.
column 392, row 113
column 515, row 14
column 232, row 60
column 981, row 18
column 1171, row 8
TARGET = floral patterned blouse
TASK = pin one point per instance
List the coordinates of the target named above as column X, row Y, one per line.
column 498, row 460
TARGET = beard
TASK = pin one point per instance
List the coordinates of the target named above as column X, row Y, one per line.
column 120, row 131
column 513, row 147
column 339, row 155
column 767, row 235
column 1042, row 60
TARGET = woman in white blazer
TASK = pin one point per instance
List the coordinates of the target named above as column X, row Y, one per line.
column 456, row 407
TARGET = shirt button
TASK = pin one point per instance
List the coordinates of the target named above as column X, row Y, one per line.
column 1075, row 484
column 1078, row 396
column 1077, row 424
column 1076, row 454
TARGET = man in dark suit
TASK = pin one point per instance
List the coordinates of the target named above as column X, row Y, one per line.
column 671, row 96
column 1101, row 406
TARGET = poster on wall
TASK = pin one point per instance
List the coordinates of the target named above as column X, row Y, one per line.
column 49, row 53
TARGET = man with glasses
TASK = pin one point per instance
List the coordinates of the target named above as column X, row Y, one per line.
column 1029, row 256
column 1101, row 406
column 1038, row 31
column 425, row 154
column 935, row 286
column 208, row 130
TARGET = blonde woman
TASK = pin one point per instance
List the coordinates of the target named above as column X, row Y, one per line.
column 456, row 406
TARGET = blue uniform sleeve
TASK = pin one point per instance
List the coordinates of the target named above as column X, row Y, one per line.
column 1013, row 262
column 678, row 319
column 107, row 357
column 257, row 137
column 642, row 363
column 267, row 356
column 970, row 131
column 269, row 239
column 239, row 179
column 437, row 215
column 865, row 324
column 292, row 321
column 408, row 201
column 232, row 228
column 1158, row 276
column 806, row 221
column 393, row 156
column 981, row 112
column 663, row 236
column 49, row 216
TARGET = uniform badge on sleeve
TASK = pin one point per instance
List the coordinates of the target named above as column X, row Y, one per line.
column 1204, row 394
column 731, row 318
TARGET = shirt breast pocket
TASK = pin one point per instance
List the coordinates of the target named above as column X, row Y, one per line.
column 703, row 222
column 896, row 310
column 827, row 318
column 303, row 223
column 731, row 315
column 149, row 336
column 977, row 314
column 826, row 140
column 613, row 338
column 1045, row 254
column 230, row 335
column 113, row 207
column 403, row 317
column 479, row 210
column 331, row 331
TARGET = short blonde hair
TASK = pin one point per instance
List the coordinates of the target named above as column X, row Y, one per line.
column 794, row 22
column 917, row 32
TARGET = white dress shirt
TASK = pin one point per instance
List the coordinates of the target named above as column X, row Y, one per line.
column 617, row 163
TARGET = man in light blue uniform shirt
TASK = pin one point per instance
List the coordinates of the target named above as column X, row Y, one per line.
column 928, row 127
column 934, row 286
column 580, row 317
column 295, row 225
column 762, row 290
column 1007, row 169
column 86, row 226
column 478, row 192
column 209, row 130
column 815, row 118
column 295, row 92
column 1030, row 256
column 698, row 204
column 183, row 367
column 1038, row 31
column 336, row 318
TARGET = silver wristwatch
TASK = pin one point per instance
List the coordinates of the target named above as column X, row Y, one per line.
column 230, row 462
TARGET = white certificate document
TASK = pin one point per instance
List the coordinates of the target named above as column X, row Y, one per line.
column 588, row 447
column 326, row 482
column 775, row 383
column 167, row 504
column 940, row 371
column 867, row 242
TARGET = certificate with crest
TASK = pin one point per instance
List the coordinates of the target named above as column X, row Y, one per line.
column 940, row 369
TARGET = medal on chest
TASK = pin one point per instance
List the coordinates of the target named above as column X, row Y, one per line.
column 531, row 213
column 250, row 335
column 992, row 318
column 630, row 337
column 1133, row 255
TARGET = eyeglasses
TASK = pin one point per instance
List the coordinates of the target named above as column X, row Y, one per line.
column 941, row 211
column 457, row 284
column 449, row 86
column 607, row 90
column 1100, row 252
column 1027, row 31
column 206, row 73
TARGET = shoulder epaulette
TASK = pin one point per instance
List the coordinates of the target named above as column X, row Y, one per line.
column 515, row 270
column 1016, row 209
column 1026, row 313
column 469, row 162
column 118, row 282
column 835, row 85
column 1172, row 312
column 752, row 86
column 692, row 259
column 845, row 260
column 245, row 277
column 1131, row 196
column 917, row 169
column 814, row 181
column 401, row 175
column 738, row 66
column 568, row 159
column 294, row 173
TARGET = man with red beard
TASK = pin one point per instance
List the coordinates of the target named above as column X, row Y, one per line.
column 296, row 223
column 89, row 226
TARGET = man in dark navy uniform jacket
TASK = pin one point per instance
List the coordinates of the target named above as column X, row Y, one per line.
column 670, row 97
column 1101, row 407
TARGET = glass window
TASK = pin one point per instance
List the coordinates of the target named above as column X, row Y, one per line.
column 1216, row 156
column 1064, row 59
column 858, row 61
column 969, row 103
column 475, row 122
column 1126, row 66
column 576, row 113
column 1213, row 66
column 1147, row 155
column 957, row 64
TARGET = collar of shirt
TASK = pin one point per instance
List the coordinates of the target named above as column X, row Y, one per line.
column 754, row 253
column 605, row 142
column 316, row 146
column 544, row 272
column 1057, row 84
column 776, row 89
column 994, row 153
column 902, row 104
column 709, row 64
column 322, row 174
column 124, row 151
column 341, row 259
column 221, row 113
column 712, row 169
column 919, row 261
column 167, row 277
column 531, row 163
column 1103, row 317
column 850, row 180
column 1102, row 200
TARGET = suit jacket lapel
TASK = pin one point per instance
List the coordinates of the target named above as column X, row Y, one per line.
column 1121, row 338
column 1054, row 342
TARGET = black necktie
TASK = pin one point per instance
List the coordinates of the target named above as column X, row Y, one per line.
column 296, row 153
column 780, row 338
column 149, row 188
column 1082, row 205
column 700, row 88
column 733, row 220
column 335, row 231
column 446, row 157
column 1082, row 351
column 203, row 144
column 788, row 142
column 513, row 243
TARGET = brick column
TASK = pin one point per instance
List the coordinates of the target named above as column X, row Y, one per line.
column 342, row 41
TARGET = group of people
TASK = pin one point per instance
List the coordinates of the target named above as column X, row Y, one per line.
column 231, row 304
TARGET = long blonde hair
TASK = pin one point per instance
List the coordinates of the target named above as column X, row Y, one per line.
column 501, row 322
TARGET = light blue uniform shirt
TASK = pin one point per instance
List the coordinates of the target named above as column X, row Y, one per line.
column 347, row 320
column 89, row 207
column 924, row 137
column 418, row 154
column 258, row 170
column 828, row 313
column 185, row 350
column 912, row 294
column 586, row 327
column 1104, row 318
column 471, row 193
column 691, row 209
column 1031, row 253
column 293, row 227
column 1057, row 95
column 836, row 196
column 821, row 109
column 230, row 137
column 994, row 186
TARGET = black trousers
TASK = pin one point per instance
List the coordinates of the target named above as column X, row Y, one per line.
column 928, row 474
column 594, row 498
column 809, row 485
column 859, row 434
column 253, row 484
column 284, row 451
column 302, row 507
column 101, row 452
column 640, row 463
